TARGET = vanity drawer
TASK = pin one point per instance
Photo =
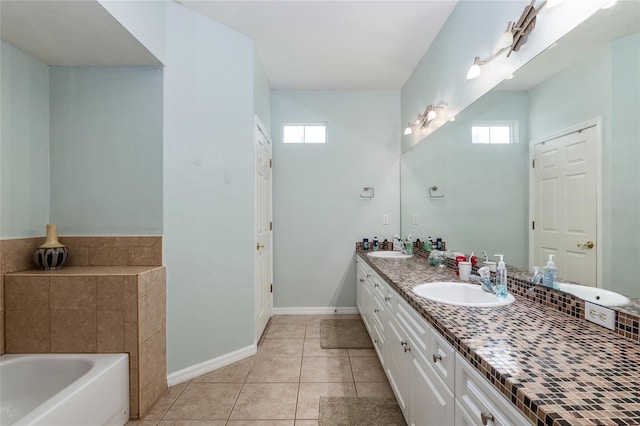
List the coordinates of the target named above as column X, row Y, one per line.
column 416, row 326
column 379, row 311
column 442, row 358
column 482, row 402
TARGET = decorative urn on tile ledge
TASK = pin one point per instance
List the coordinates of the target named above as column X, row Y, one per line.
column 51, row 254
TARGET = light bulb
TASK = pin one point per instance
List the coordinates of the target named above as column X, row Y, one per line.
column 553, row 3
column 407, row 131
column 474, row 71
column 506, row 38
column 431, row 115
column 609, row 4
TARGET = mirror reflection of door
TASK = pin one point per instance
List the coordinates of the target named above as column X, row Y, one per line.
column 566, row 205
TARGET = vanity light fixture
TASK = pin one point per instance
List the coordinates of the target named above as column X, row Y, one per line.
column 515, row 36
column 424, row 119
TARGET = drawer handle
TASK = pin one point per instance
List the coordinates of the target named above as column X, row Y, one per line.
column 375, row 311
column 376, row 341
column 407, row 349
column 361, row 280
column 403, row 343
column 376, row 285
column 368, row 275
column 437, row 357
column 387, row 299
column 486, row 417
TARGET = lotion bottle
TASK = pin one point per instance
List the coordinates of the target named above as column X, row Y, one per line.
column 501, row 278
column 550, row 274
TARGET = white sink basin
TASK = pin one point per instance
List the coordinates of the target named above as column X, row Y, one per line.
column 461, row 294
column 389, row 254
column 595, row 295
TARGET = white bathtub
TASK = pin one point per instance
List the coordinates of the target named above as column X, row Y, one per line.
column 64, row 389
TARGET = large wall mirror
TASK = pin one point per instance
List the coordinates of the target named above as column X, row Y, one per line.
column 481, row 162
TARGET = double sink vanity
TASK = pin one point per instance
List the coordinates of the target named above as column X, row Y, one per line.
column 470, row 362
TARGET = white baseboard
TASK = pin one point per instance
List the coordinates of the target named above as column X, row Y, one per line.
column 316, row 311
column 210, row 365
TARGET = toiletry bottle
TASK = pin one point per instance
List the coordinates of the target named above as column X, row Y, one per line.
column 385, row 244
column 365, row 244
column 550, row 274
column 408, row 245
column 439, row 243
column 427, row 244
column 501, row 278
column 376, row 246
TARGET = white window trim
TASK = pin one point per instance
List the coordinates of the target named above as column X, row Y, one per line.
column 514, row 131
column 306, row 124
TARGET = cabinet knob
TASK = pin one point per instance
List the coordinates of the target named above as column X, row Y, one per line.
column 361, row 280
column 486, row 417
column 376, row 285
column 407, row 349
column 368, row 275
column 437, row 357
column 375, row 311
column 387, row 299
column 376, row 341
column 403, row 343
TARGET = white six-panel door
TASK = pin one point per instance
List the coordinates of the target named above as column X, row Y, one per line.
column 565, row 205
column 264, row 255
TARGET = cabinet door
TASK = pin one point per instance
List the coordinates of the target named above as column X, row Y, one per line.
column 396, row 362
column 431, row 401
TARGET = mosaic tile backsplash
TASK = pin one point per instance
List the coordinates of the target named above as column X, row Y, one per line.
column 557, row 368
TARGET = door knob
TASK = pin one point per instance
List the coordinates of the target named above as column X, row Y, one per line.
column 587, row 245
column 259, row 246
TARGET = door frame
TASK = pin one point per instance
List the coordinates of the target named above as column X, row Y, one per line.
column 594, row 122
column 260, row 128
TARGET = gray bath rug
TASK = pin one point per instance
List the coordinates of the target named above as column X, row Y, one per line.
column 359, row 411
column 344, row 334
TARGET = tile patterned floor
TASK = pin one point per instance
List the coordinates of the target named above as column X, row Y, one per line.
column 280, row 386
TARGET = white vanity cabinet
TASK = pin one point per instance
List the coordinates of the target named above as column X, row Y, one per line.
column 432, row 384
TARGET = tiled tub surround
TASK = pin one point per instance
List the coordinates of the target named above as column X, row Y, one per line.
column 94, row 309
column 17, row 255
column 557, row 369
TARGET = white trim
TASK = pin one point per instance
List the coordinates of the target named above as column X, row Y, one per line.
column 597, row 122
column 196, row 370
column 316, row 311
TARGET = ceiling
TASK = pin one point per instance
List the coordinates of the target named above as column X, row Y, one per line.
column 312, row 45
column 70, row 33
column 334, row 45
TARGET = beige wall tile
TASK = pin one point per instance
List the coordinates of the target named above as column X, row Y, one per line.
column 150, row 241
column 78, row 256
column 108, row 256
column 119, row 241
column 110, row 331
column 17, row 254
column 143, row 323
column 1, row 333
column 145, row 255
column 73, row 292
column 27, row 331
column 156, row 303
column 131, row 343
column 110, row 292
column 26, row 292
column 131, row 299
column 166, row 400
column 153, row 370
column 73, row 331
column 134, row 394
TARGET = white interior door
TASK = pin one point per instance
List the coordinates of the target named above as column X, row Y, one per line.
column 566, row 205
column 264, row 230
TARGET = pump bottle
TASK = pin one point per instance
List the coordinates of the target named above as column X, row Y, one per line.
column 550, row 274
column 501, row 278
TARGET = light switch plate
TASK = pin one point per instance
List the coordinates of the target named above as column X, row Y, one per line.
column 415, row 219
column 600, row 315
column 385, row 219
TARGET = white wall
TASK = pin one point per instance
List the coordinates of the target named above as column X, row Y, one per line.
column 209, row 241
column 261, row 92
column 24, row 144
column 318, row 212
column 106, row 150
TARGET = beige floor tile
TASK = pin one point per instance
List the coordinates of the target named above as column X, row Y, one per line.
column 266, row 401
column 363, row 352
column 326, row 370
column 199, row 401
column 286, row 330
column 272, row 370
column 367, row 369
column 306, row 423
column 260, row 423
column 192, row 423
column 280, row 319
column 162, row 405
column 310, row 393
column 312, row 348
column 232, row 373
column 271, row 348
column 313, row 330
column 141, row 423
column 375, row 389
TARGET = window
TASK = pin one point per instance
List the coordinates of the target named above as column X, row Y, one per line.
column 304, row 133
column 494, row 132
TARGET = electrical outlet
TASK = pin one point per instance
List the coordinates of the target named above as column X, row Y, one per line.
column 416, row 219
column 385, row 219
column 600, row 315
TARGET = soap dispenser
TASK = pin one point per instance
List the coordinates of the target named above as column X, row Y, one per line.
column 550, row 275
column 501, row 278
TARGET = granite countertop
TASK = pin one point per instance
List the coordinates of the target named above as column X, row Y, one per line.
column 559, row 370
column 89, row 270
